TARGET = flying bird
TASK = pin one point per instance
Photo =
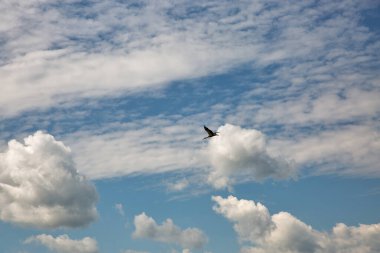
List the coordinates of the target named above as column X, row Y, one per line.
column 209, row 132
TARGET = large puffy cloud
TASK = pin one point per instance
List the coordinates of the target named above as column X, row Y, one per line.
column 168, row 232
column 40, row 186
column 283, row 232
column 242, row 153
column 63, row 244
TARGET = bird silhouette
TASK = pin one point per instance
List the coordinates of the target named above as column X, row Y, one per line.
column 210, row 133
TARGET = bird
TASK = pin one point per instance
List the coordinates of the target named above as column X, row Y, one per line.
column 210, row 133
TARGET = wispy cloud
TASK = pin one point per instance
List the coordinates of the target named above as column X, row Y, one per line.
column 347, row 150
column 314, row 69
column 143, row 147
column 52, row 55
column 120, row 209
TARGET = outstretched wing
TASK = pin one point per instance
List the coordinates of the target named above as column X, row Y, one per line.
column 209, row 132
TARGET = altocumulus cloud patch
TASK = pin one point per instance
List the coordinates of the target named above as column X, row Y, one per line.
column 40, row 186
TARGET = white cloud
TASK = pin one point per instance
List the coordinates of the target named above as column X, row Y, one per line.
column 86, row 65
column 117, row 47
column 120, row 209
column 149, row 146
column 349, row 150
column 63, row 244
column 243, row 153
column 168, row 232
column 329, row 107
column 179, row 185
column 282, row 232
column 251, row 220
column 159, row 146
column 40, row 186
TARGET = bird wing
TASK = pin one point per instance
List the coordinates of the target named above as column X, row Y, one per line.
column 210, row 133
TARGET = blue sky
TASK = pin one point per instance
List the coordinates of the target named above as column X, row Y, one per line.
column 102, row 107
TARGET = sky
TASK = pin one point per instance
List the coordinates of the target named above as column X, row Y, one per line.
column 102, row 108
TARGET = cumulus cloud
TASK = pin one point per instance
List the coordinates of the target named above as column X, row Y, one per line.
column 63, row 244
column 168, row 232
column 283, row 232
column 251, row 220
column 40, row 186
column 242, row 153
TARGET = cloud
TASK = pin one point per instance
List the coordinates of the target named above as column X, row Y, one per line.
column 120, row 209
column 40, row 186
column 134, row 251
column 251, row 220
column 168, row 232
column 283, row 232
column 146, row 146
column 63, row 244
column 114, row 47
column 330, row 106
column 239, row 152
column 313, row 66
column 347, row 150
column 151, row 146
column 179, row 185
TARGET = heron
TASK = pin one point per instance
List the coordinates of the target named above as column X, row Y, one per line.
column 210, row 133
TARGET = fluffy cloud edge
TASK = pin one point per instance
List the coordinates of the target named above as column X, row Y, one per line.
column 40, row 186
column 63, row 243
column 189, row 238
column 282, row 232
